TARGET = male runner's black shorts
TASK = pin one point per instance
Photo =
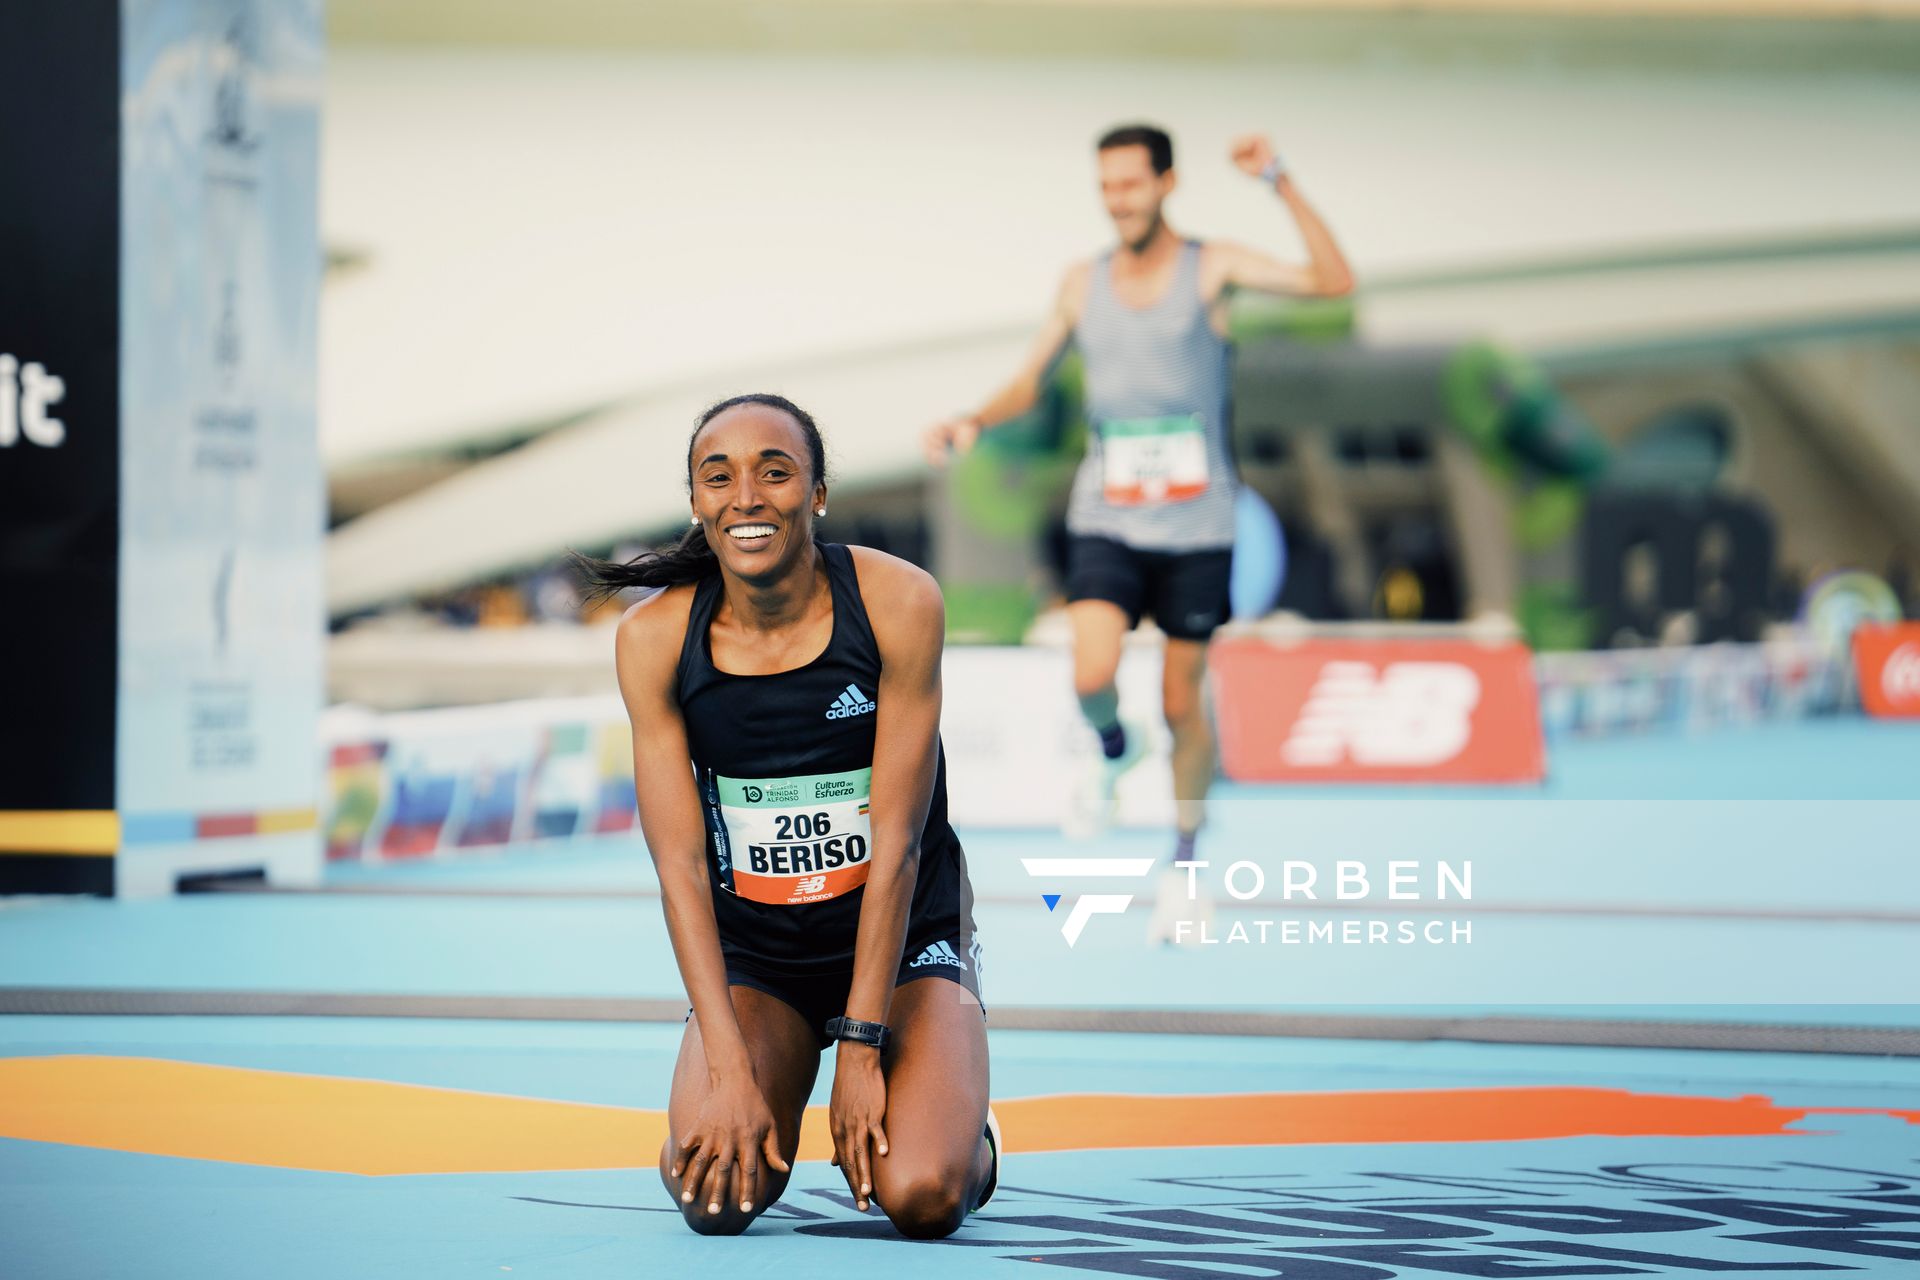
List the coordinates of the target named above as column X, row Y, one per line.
column 1187, row 592
column 818, row 997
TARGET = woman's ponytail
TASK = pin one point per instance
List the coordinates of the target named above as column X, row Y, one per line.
column 688, row 560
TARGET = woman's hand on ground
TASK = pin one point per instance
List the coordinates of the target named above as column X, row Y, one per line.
column 858, row 1108
column 725, row 1156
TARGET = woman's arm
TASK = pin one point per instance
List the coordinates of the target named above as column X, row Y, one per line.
column 646, row 652
column 910, row 627
column 735, row 1128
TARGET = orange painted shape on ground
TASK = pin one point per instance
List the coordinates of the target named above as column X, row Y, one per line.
column 1416, row 1115
column 341, row 1125
column 327, row 1123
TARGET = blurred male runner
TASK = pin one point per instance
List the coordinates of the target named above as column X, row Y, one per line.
column 1151, row 516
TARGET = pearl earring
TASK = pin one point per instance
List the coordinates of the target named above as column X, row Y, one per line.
column 693, row 520
column 819, row 511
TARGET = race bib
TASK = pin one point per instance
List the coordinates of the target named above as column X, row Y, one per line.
column 789, row 841
column 1153, row 459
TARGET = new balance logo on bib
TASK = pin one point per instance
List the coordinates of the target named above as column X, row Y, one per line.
column 850, row 703
column 938, row 953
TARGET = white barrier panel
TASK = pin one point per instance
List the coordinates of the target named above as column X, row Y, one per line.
column 1016, row 744
column 426, row 783
column 1607, row 692
column 222, row 499
column 422, row 783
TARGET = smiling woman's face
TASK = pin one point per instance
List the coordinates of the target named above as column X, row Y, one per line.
column 753, row 490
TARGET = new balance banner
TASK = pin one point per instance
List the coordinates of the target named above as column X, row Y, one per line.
column 1017, row 744
column 1887, row 661
column 1376, row 711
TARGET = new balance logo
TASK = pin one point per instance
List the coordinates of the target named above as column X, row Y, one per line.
column 1409, row 713
column 810, row 884
column 938, row 953
column 850, row 703
column 1900, row 678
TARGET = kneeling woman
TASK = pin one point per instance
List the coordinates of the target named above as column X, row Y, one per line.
column 814, row 892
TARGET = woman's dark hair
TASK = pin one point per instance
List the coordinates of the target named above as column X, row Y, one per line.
column 689, row 558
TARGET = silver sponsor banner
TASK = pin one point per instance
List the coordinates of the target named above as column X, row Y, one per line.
column 1613, row 691
column 221, row 626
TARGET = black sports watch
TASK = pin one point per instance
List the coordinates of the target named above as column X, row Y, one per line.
column 877, row 1034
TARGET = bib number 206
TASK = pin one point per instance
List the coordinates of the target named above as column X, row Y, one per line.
column 801, row 826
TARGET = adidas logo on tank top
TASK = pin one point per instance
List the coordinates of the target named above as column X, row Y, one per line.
column 850, row 703
column 938, row 953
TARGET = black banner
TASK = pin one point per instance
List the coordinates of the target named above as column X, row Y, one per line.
column 59, row 422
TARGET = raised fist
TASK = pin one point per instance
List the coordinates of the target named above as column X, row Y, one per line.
column 1252, row 153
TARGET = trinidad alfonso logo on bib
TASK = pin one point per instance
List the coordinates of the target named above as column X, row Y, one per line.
column 791, row 841
column 849, row 704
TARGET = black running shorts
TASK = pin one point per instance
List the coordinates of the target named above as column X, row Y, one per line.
column 1186, row 592
column 816, row 997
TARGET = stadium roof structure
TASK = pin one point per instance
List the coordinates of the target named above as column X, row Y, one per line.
column 521, row 330
column 621, row 470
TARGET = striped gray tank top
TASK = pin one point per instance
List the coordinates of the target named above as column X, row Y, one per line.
column 1158, row 474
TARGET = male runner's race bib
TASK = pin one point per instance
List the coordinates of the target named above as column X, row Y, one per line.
column 794, row 840
column 1153, row 459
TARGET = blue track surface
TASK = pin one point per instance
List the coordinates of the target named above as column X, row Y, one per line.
column 1600, row 892
column 1785, row 835
column 184, row 1218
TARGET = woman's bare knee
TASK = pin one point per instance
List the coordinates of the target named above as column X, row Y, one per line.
column 927, row 1205
column 730, row 1221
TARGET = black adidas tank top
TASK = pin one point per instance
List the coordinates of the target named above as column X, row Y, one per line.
column 784, row 763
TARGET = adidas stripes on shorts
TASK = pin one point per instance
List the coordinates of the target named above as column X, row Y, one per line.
column 816, row 997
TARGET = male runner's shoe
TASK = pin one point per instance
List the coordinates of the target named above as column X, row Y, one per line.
column 993, row 1173
column 1091, row 803
column 1171, row 905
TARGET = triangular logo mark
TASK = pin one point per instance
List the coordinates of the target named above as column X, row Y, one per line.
column 1051, row 899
